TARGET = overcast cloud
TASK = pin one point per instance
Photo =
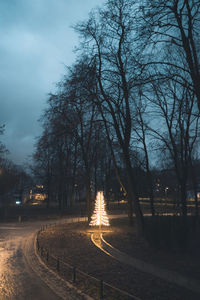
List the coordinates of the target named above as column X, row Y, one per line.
column 36, row 41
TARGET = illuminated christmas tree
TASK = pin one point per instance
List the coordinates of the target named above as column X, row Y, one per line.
column 99, row 216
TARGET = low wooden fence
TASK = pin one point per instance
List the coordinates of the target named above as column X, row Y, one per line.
column 96, row 288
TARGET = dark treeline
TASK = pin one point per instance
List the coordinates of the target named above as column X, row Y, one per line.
column 130, row 101
column 14, row 180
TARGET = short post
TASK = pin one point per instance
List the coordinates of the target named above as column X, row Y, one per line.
column 74, row 275
column 19, row 219
column 58, row 265
column 101, row 290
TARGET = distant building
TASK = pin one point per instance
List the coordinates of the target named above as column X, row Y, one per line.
column 37, row 195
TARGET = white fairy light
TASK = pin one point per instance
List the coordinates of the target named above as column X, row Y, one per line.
column 99, row 216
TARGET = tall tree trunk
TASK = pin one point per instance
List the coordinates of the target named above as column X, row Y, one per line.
column 194, row 184
column 183, row 198
column 133, row 200
column 48, row 190
column 151, row 193
column 88, row 196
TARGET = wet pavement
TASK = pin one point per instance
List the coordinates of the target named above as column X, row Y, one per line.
column 17, row 279
column 22, row 275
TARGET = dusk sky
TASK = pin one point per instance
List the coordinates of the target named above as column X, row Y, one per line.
column 36, row 43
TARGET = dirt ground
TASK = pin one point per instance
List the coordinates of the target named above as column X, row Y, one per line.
column 72, row 244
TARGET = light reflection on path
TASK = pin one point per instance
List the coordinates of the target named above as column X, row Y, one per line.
column 22, row 277
column 7, row 285
column 17, row 280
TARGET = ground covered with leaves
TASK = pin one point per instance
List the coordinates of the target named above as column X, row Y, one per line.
column 71, row 243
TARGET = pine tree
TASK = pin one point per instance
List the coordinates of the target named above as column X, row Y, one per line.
column 99, row 216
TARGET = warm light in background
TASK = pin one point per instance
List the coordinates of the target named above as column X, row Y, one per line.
column 99, row 216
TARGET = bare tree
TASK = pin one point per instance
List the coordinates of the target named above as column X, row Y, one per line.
column 141, row 129
column 174, row 107
column 108, row 38
column 169, row 34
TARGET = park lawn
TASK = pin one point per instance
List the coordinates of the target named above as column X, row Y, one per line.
column 72, row 244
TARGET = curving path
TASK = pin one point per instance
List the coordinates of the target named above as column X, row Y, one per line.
column 22, row 275
column 170, row 276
